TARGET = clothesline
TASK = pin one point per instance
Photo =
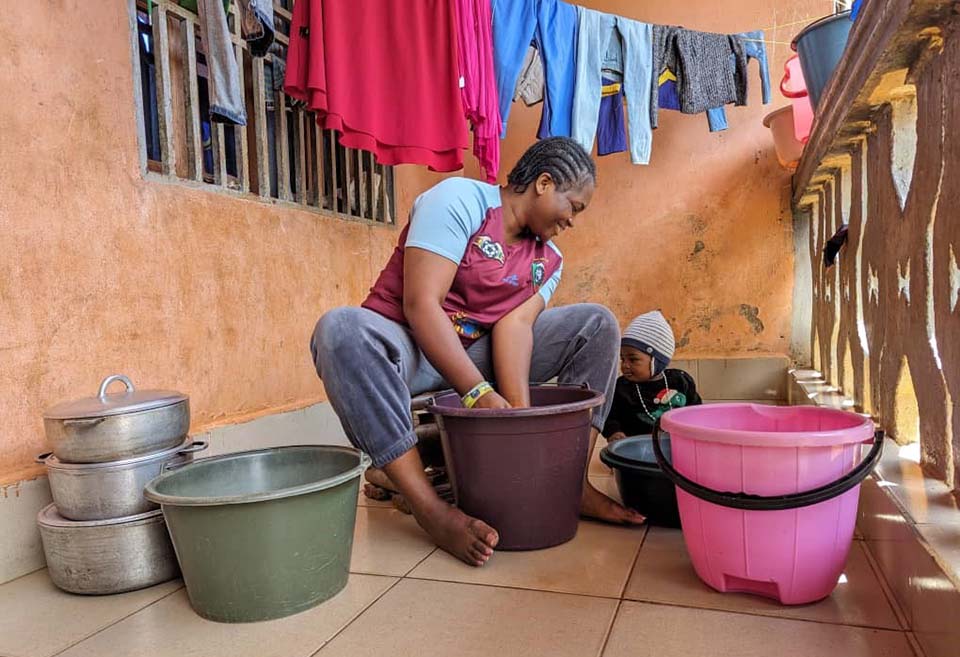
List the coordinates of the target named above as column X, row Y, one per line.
column 322, row 71
column 779, row 43
column 802, row 21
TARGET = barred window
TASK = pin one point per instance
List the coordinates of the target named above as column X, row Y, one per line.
column 280, row 154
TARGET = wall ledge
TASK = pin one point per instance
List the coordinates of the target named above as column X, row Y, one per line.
column 911, row 524
column 889, row 36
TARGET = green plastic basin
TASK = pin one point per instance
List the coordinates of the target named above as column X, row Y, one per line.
column 262, row 534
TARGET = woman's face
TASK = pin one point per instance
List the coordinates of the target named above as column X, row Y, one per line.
column 553, row 211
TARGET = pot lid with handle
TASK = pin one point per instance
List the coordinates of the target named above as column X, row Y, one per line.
column 130, row 400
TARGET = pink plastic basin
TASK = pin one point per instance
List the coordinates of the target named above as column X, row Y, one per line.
column 768, row 494
column 794, row 87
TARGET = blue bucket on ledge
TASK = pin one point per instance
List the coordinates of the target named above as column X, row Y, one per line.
column 820, row 46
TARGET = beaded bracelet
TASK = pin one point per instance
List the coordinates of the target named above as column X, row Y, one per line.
column 470, row 399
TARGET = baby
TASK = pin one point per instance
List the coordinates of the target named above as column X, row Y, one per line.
column 647, row 388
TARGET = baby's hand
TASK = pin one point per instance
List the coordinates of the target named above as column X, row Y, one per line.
column 617, row 436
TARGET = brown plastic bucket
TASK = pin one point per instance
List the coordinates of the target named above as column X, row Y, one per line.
column 520, row 470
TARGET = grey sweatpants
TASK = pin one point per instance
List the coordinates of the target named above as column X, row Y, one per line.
column 371, row 367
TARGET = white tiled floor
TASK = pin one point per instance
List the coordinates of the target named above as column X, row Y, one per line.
column 596, row 562
column 37, row 619
column 169, row 628
column 670, row 631
column 611, row 592
column 664, row 575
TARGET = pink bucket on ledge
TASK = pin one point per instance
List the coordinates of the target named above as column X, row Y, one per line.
column 768, row 494
column 794, row 87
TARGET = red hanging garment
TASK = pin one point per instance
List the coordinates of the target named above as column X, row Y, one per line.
column 479, row 90
column 385, row 74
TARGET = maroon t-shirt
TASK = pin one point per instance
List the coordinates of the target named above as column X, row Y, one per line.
column 492, row 279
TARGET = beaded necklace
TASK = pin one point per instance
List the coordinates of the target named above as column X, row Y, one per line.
column 640, row 395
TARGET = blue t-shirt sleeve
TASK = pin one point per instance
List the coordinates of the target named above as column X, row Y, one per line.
column 447, row 215
column 548, row 288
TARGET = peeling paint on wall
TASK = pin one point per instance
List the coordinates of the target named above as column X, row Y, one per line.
column 752, row 315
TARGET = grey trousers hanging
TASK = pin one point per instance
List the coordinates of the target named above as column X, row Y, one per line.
column 223, row 76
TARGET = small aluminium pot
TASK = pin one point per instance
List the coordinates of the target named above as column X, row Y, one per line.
column 112, row 427
column 101, row 557
column 98, row 491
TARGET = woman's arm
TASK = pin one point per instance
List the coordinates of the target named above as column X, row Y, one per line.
column 512, row 349
column 427, row 278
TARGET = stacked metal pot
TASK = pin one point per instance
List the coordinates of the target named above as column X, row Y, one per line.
column 101, row 535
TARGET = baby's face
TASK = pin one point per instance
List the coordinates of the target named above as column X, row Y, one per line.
column 634, row 365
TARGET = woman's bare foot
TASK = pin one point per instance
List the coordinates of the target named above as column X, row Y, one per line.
column 468, row 539
column 400, row 504
column 376, row 493
column 379, row 478
column 595, row 504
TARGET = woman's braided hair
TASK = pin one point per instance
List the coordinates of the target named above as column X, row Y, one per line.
column 567, row 162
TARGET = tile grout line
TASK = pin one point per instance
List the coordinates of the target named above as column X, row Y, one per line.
column 400, row 575
column 119, row 620
column 633, row 564
column 18, row 578
column 357, row 615
column 609, row 631
column 661, row 603
column 512, row 588
column 379, row 597
column 373, row 504
column 898, row 611
column 915, row 644
column 417, row 565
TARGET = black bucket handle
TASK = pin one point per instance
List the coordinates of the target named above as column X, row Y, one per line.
column 749, row 502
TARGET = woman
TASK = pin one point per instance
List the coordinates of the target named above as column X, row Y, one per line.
column 461, row 303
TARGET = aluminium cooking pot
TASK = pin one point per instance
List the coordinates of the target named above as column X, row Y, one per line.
column 100, row 557
column 97, row 491
column 117, row 426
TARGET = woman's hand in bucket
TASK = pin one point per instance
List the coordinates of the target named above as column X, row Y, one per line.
column 615, row 437
column 492, row 400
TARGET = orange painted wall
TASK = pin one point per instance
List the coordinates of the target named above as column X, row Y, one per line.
column 104, row 271
column 216, row 295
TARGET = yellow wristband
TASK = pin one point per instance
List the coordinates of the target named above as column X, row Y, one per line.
column 470, row 399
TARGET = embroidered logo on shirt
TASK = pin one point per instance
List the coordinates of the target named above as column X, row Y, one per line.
column 489, row 248
column 538, row 270
column 513, row 280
